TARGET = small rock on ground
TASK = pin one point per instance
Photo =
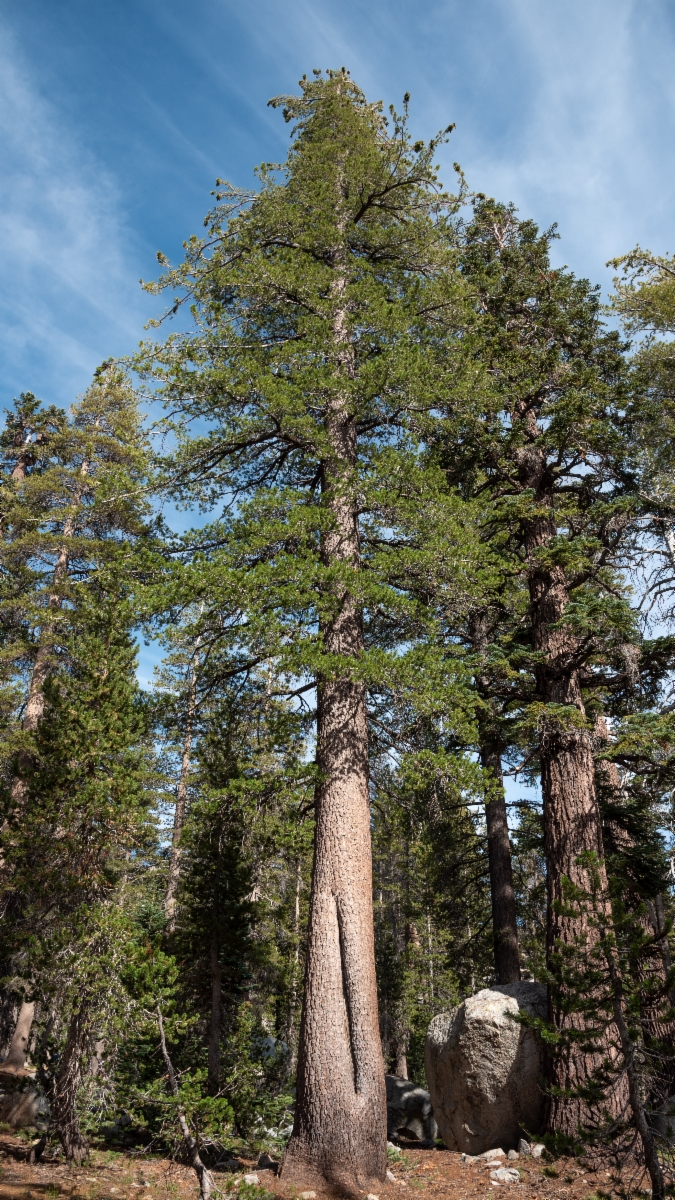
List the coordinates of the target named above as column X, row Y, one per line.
column 512, row 1154
column 524, row 1147
column 505, row 1175
column 487, row 1156
column 538, row 1150
column 252, row 1180
column 307, row 1196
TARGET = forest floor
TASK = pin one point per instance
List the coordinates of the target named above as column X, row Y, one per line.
column 438, row 1174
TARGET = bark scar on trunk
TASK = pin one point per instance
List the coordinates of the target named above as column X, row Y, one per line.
column 350, row 966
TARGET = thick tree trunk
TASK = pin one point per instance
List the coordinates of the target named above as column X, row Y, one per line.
column 340, row 1129
column 15, row 1059
column 213, row 1081
column 572, row 826
column 340, row 1121
column 504, row 922
column 64, row 1107
column 572, row 821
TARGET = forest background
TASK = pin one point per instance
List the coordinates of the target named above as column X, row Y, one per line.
column 238, row 756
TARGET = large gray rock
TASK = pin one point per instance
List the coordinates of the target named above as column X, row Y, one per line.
column 409, row 1110
column 484, row 1069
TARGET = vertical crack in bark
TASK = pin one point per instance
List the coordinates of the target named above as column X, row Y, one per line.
column 350, row 988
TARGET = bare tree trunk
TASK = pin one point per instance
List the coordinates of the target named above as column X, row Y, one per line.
column 213, row 1082
column 504, row 921
column 181, row 798
column 64, row 1106
column 401, row 1068
column 340, row 1131
column 340, row 1128
column 15, row 1059
column 190, row 1142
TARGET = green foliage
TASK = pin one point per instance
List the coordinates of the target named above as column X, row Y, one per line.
column 431, row 916
column 459, row 361
column 615, row 981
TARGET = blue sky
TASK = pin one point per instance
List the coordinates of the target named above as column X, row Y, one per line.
column 116, row 117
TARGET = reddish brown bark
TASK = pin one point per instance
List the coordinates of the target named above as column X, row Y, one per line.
column 572, row 822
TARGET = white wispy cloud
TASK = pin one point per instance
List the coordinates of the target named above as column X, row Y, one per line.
column 566, row 109
column 69, row 293
column 594, row 146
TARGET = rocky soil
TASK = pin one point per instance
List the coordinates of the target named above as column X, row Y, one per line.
column 431, row 1174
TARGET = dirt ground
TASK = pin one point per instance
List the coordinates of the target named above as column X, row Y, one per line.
column 436, row 1174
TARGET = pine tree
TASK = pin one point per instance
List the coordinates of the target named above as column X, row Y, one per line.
column 76, row 795
column 549, row 451
column 312, row 353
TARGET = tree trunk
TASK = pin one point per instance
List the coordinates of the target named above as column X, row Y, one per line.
column 340, row 1130
column 18, row 1047
column 572, row 821
column 64, row 1109
column 340, row 1120
column 181, row 800
column 213, row 1082
column 401, row 1068
column 504, row 922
